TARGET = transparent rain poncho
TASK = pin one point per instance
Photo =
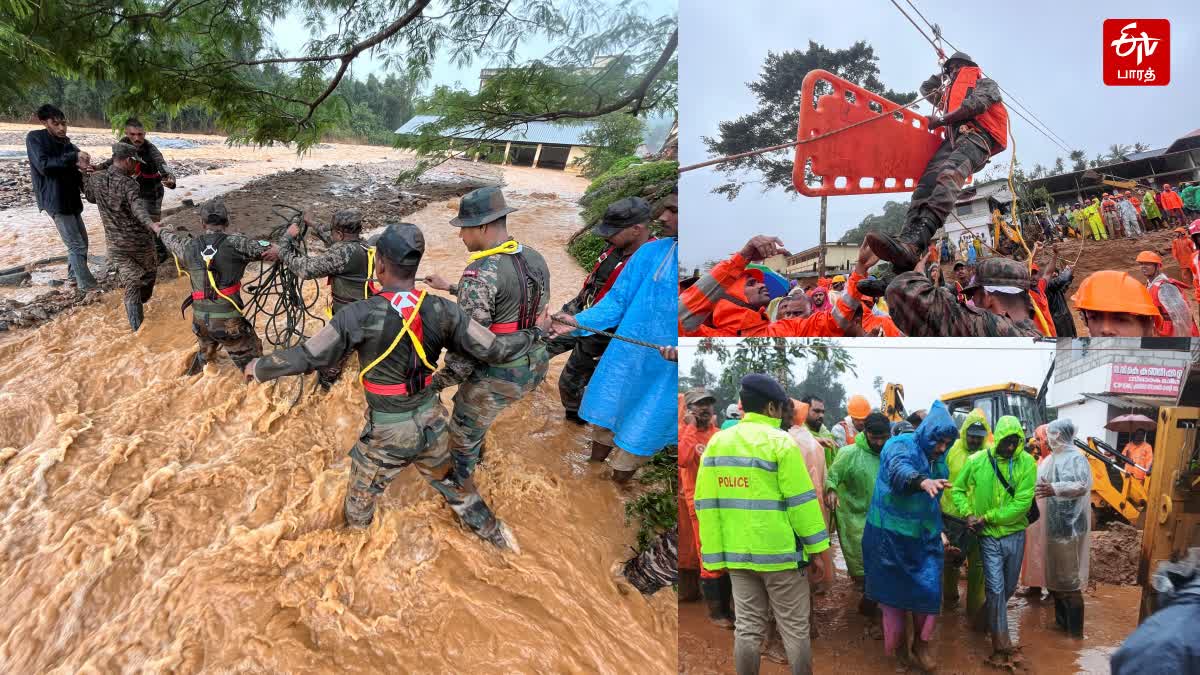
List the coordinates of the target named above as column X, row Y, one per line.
column 1068, row 513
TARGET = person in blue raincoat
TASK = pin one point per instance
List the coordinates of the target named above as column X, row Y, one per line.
column 902, row 541
column 633, row 391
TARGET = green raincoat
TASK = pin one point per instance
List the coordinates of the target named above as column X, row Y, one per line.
column 957, row 455
column 1150, row 206
column 977, row 491
column 852, row 477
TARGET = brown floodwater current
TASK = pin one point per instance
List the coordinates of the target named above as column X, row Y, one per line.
column 151, row 522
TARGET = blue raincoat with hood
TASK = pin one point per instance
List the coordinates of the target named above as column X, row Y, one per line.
column 902, row 541
column 634, row 391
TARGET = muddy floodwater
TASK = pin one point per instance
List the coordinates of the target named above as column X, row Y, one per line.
column 153, row 522
column 844, row 646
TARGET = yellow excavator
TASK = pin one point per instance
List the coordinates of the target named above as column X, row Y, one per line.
column 893, row 402
column 1173, row 508
column 1112, row 181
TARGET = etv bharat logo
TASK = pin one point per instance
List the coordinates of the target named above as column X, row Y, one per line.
column 1137, row 52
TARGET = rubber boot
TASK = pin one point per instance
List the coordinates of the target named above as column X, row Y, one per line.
column 711, row 590
column 1074, row 617
column 196, row 366
column 133, row 311
column 1060, row 613
column 573, row 417
column 600, row 451
column 905, row 249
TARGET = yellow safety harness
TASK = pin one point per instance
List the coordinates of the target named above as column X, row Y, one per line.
column 404, row 330
column 208, row 254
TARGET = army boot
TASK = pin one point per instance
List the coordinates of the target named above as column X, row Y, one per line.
column 905, row 249
column 133, row 311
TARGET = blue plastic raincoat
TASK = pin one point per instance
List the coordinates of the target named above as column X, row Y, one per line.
column 902, row 541
column 633, row 391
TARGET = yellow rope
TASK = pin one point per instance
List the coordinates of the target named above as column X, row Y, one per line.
column 213, row 283
column 509, row 247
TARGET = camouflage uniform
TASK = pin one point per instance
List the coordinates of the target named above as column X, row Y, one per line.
column 503, row 292
column 151, row 171
column 345, row 263
column 127, row 228
column 408, row 424
column 921, row 309
column 217, row 322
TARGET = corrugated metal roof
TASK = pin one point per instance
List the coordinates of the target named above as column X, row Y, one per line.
column 1135, row 156
column 533, row 132
column 1131, row 402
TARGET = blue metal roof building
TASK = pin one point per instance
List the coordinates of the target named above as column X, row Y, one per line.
column 538, row 144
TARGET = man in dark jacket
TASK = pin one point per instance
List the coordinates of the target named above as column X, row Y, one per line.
column 1055, row 288
column 151, row 174
column 1166, row 640
column 54, row 167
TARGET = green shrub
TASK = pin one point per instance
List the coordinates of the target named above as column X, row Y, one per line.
column 657, row 510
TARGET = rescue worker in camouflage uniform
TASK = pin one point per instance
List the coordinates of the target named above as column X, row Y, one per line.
column 151, row 173
column 399, row 335
column 214, row 263
column 127, row 229
column 625, row 226
column 346, row 263
column 976, row 124
column 1000, row 295
column 506, row 287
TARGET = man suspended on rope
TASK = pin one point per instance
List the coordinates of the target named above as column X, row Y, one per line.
column 1054, row 285
column 1175, row 317
column 214, row 263
column 1114, row 304
column 347, row 263
column 999, row 293
column 505, row 287
column 719, row 305
column 625, row 226
column 976, row 128
column 399, row 335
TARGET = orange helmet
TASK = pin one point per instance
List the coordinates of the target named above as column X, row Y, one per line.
column 1113, row 291
column 858, row 407
column 1180, row 230
column 1149, row 257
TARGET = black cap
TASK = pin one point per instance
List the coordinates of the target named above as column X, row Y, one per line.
column 697, row 395
column 480, row 207
column 962, row 56
column 213, row 212
column 621, row 214
column 977, row 429
column 765, row 386
column 959, row 264
column 401, row 243
column 1000, row 272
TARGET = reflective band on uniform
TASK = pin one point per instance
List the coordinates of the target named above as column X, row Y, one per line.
column 815, row 538
column 747, row 462
column 800, row 498
column 754, row 558
column 744, row 504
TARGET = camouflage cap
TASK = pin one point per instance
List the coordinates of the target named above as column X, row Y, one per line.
column 621, row 214
column 123, row 151
column 213, row 212
column 480, row 207
column 1000, row 275
column 697, row 395
column 401, row 243
column 348, row 220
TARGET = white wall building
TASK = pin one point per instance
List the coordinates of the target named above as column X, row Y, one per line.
column 973, row 210
column 1098, row 379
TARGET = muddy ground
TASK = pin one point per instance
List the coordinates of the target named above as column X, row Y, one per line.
column 252, row 211
column 16, row 187
column 844, row 645
column 1115, row 552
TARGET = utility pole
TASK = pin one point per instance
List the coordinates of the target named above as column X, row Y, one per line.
column 821, row 252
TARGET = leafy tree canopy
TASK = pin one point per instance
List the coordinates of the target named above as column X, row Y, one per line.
column 169, row 54
column 777, row 357
column 774, row 122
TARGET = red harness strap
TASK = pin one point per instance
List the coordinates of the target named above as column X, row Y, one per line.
column 391, row 389
column 504, row 328
column 199, row 295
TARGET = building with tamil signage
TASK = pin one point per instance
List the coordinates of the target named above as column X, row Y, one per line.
column 1098, row 379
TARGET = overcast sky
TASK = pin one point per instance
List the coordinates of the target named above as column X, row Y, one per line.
column 1048, row 54
column 927, row 367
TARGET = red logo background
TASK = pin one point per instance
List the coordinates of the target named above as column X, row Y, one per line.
column 1122, row 71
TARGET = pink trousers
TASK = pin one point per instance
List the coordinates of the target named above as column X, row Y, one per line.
column 893, row 627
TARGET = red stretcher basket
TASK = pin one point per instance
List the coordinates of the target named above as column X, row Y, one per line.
column 886, row 155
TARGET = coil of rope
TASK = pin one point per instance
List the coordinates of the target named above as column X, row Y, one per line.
column 275, row 297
